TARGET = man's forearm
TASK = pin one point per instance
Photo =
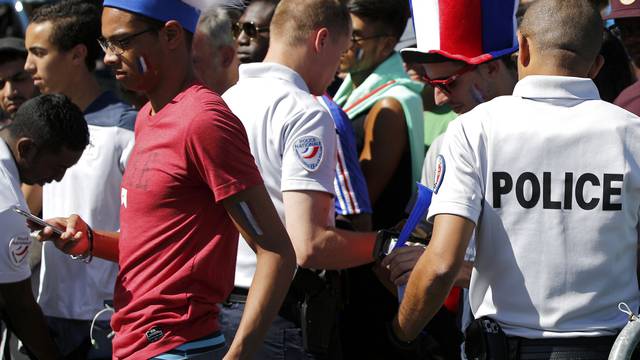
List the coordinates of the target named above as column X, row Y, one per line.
column 426, row 291
column 26, row 319
column 263, row 302
column 105, row 245
column 335, row 249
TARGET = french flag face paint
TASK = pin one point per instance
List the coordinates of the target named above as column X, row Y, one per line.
column 473, row 31
column 142, row 65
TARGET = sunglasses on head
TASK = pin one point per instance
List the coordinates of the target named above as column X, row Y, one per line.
column 249, row 28
column 445, row 84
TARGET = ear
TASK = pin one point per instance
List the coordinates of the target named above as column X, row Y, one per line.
column 321, row 38
column 389, row 44
column 26, row 150
column 227, row 55
column 78, row 54
column 524, row 54
column 173, row 34
column 492, row 67
column 596, row 67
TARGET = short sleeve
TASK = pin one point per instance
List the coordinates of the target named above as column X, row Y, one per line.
column 14, row 247
column 458, row 188
column 219, row 150
column 309, row 157
column 125, row 136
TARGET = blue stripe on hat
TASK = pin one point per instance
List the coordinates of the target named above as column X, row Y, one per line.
column 163, row 10
column 499, row 27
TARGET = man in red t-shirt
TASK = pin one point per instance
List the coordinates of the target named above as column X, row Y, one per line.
column 190, row 177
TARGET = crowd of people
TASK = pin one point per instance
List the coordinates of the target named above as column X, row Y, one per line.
column 239, row 190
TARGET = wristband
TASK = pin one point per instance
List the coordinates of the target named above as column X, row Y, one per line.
column 87, row 256
column 396, row 342
column 385, row 241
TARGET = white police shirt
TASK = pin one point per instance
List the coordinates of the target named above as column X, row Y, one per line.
column 91, row 189
column 14, row 234
column 292, row 138
column 551, row 177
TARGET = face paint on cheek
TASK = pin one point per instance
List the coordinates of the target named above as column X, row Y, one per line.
column 477, row 95
column 359, row 54
column 142, row 65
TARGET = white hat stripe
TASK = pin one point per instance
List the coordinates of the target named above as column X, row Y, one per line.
column 427, row 29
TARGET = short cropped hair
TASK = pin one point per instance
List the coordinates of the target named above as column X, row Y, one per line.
column 390, row 15
column 74, row 22
column 294, row 20
column 53, row 122
column 569, row 26
column 216, row 24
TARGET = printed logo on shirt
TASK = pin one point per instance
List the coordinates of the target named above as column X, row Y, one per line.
column 584, row 191
column 19, row 249
column 438, row 175
column 154, row 334
column 309, row 150
column 123, row 197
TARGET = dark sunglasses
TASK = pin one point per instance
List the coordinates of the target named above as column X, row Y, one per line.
column 445, row 84
column 249, row 28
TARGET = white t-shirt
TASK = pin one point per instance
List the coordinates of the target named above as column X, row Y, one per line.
column 551, row 177
column 71, row 289
column 292, row 138
column 14, row 234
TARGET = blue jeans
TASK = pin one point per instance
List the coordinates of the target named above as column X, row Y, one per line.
column 283, row 340
column 72, row 338
column 209, row 348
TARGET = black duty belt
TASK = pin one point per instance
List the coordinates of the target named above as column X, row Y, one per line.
column 586, row 348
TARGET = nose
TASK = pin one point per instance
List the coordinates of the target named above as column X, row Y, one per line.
column 243, row 39
column 440, row 97
column 9, row 88
column 110, row 58
column 29, row 65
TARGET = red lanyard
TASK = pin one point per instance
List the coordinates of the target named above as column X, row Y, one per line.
column 364, row 98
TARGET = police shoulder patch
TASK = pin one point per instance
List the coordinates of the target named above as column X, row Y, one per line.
column 309, row 151
column 438, row 176
column 19, row 249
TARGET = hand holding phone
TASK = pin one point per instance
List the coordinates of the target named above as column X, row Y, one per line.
column 36, row 220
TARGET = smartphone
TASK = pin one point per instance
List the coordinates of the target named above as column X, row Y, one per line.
column 37, row 220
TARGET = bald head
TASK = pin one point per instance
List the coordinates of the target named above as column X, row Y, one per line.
column 294, row 20
column 565, row 32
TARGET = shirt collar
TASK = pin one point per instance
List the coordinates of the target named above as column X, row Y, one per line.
column 556, row 87
column 273, row 71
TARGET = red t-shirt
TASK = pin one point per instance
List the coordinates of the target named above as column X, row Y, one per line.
column 177, row 244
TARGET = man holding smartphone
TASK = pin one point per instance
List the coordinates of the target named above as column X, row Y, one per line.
column 183, row 200
column 48, row 134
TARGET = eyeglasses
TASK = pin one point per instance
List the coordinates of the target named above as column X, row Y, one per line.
column 119, row 46
column 445, row 84
column 250, row 28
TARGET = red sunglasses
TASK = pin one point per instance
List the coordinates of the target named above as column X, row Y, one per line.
column 445, row 84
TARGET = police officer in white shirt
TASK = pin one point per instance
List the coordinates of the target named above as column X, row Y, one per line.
column 549, row 179
column 292, row 139
column 48, row 134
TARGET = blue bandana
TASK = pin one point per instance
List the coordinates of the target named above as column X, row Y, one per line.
column 163, row 10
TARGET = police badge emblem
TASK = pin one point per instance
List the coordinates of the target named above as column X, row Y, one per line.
column 438, row 175
column 309, row 150
column 19, row 249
